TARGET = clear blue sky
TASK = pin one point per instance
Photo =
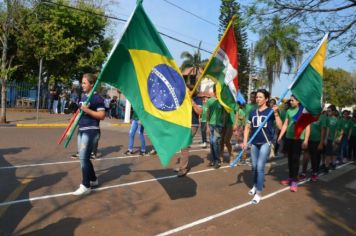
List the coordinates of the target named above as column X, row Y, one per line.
column 177, row 23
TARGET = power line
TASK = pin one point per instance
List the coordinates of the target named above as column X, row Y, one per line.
column 199, row 17
column 123, row 20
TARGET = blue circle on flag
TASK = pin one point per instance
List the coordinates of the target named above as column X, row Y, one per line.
column 166, row 88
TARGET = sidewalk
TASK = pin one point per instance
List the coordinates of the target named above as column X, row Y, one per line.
column 29, row 119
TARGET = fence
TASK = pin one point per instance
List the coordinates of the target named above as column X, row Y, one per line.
column 23, row 95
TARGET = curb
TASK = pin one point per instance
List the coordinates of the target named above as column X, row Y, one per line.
column 52, row 125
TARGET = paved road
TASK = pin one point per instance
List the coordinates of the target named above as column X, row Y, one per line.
column 137, row 196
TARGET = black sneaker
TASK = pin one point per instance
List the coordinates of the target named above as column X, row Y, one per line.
column 143, row 153
column 128, row 152
column 217, row 165
column 75, row 156
column 93, row 156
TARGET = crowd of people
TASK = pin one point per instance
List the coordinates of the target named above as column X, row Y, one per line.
column 326, row 143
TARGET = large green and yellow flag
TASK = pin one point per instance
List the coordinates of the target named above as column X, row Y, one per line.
column 141, row 66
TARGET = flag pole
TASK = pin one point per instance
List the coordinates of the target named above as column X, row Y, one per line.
column 138, row 3
column 300, row 70
column 213, row 55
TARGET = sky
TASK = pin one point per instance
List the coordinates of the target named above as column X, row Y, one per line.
column 186, row 27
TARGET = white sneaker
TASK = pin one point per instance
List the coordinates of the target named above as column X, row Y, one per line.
column 82, row 190
column 252, row 191
column 256, row 199
column 204, row 145
column 94, row 183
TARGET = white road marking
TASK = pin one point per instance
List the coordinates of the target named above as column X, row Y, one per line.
column 209, row 218
column 76, row 161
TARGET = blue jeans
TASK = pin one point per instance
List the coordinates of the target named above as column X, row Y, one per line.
column 343, row 149
column 134, row 126
column 215, row 140
column 86, row 142
column 203, row 132
column 63, row 104
column 259, row 156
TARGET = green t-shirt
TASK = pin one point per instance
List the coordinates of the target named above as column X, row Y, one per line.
column 215, row 111
column 353, row 132
column 332, row 123
column 323, row 120
column 345, row 125
column 249, row 108
column 289, row 115
column 241, row 121
column 203, row 114
column 230, row 119
column 315, row 129
column 282, row 114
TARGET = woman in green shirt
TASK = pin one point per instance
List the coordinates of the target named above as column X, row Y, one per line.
column 293, row 145
column 331, row 140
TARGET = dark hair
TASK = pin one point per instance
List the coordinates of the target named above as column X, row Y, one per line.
column 264, row 92
column 254, row 93
column 332, row 107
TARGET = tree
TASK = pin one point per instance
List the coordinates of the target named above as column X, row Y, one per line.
column 314, row 18
column 228, row 9
column 9, row 15
column 277, row 44
column 69, row 39
column 339, row 87
column 192, row 61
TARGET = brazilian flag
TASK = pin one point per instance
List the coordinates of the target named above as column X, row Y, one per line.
column 141, row 66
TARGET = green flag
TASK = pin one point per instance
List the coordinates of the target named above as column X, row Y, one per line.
column 141, row 66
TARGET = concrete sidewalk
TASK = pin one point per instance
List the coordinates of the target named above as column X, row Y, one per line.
column 29, row 119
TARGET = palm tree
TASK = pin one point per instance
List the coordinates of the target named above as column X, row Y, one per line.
column 192, row 61
column 278, row 45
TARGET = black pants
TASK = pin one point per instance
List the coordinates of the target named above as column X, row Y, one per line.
column 314, row 154
column 294, row 148
column 352, row 148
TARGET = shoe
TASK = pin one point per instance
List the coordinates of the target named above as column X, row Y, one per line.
column 183, row 172
column 177, row 169
column 143, row 153
column 153, row 152
column 210, row 164
column 204, row 145
column 94, row 183
column 333, row 166
column 241, row 163
column 128, row 152
column 82, row 190
column 217, row 165
column 75, row 156
column 302, row 177
column 314, row 178
column 286, row 182
column 293, row 186
column 326, row 170
column 256, row 199
column 252, row 191
column 93, row 156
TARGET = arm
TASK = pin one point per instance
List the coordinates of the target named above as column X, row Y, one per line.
column 322, row 137
column 283, row 130
column 99, row 115
column 278, row 119
column 306, row 138
column 197, row 109
column 246, row 136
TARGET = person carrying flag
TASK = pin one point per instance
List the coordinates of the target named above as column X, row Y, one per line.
column 261, row 145
column 88, row 133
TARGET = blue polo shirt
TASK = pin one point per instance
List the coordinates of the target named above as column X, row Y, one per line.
column 195, row 116
column 96, row 103
column 255, row 122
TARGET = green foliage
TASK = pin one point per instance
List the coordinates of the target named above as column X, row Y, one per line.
column 278, row 45
column 71, row 42
column 228, row 9
column 339, row 87
column 314, row 18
